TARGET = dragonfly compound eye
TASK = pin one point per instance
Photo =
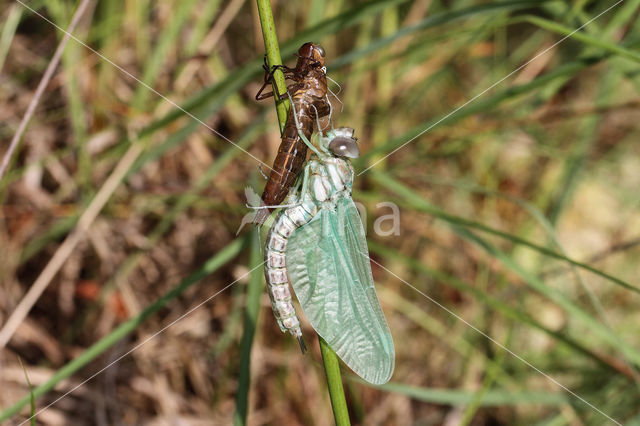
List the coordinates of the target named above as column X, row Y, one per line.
column 344, row 147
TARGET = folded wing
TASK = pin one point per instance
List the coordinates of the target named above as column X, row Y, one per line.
column 328, row 265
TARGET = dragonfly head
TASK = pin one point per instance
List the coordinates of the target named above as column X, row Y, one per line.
column 310, row 55
column 340, row 142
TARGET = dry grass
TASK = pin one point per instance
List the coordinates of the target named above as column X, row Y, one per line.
column 548, row 156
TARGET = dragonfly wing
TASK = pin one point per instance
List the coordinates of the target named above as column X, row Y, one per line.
column 329, row 269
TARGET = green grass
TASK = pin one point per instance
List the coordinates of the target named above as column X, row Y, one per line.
column 250, row 321
column 504, row 205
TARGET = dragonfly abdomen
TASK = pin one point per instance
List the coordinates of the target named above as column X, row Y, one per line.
column 291, row 156
column 275, row 271
column 292, row 153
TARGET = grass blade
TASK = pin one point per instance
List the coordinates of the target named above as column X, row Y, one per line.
column 272, row 50
column 9, row 30
column 415, row 201
column 334, row 383
column 32, row 400
column 250, row 320
column 213, row 264
column 580, row 36
column 490, row 398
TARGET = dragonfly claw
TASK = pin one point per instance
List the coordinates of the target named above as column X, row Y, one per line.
column 261, row 217
column 262, row 172
column 303, row 347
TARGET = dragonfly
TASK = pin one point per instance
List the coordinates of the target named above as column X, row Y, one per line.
column 309, row 102
column 318, row 245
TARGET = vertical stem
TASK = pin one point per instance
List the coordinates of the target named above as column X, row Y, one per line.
column 213, row 264
column 330, row 359
column 272, row 49
column 250, row 319
column 334, row 382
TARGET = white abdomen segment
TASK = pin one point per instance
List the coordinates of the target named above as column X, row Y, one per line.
column 327, row 181
column 275, row 267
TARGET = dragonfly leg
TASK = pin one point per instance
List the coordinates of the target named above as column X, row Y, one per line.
column 268, row 76
column 300, row 133
column 261, row 217
column 291, row 88
column 262, row 172
column 305, row 181
column 303, row 347
column 280, row 206
column 268, row 79
column 260, row 96
column 268, row 72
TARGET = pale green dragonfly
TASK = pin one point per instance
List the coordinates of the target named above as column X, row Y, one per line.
column 317, row 243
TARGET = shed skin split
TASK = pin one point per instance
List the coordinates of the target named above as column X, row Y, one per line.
column 309, row 103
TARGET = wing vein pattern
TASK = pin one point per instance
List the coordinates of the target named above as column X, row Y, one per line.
column 329, row 270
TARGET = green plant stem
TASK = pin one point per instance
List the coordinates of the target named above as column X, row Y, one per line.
column 330, row 359
column 334, row 382
column 250, row 319
column 272, row 50
column 98, row 348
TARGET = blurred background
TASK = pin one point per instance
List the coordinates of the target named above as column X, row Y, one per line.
column 518, row 213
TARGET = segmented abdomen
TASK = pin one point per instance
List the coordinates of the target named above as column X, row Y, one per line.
column 275, row 271
column 292, row 152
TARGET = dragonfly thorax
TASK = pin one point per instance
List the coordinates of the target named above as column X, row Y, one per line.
column 329, row 179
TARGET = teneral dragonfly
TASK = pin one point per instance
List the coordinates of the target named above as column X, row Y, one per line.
column 318, row 245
